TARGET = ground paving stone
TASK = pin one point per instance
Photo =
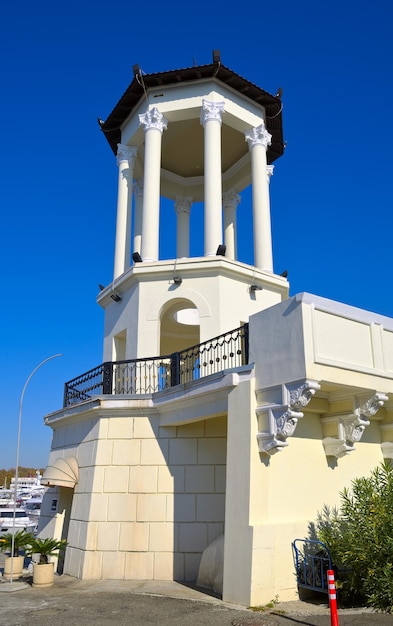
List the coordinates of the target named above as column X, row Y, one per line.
column 72, row 602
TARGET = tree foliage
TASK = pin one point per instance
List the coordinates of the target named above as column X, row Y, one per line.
column 359, row 535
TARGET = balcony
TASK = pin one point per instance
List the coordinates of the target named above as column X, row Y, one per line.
column 149, row 375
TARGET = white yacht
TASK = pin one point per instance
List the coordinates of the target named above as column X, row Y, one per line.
column 7, row 497
column 13, row 520
column 32, row 508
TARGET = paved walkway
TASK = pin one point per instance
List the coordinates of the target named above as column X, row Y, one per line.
column 72, row 602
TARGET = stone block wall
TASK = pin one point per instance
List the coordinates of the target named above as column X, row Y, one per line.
column 151, row 501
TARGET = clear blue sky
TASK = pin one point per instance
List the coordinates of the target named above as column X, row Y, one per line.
column 64, row 64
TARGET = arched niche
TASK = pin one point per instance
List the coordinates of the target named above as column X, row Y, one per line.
column 179, row 326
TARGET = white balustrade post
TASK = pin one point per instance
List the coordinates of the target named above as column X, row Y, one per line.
column 211, row 120
column 258, row 139
column 154, row 123
column 138, row 195
column 182, row 208
column 230, row 201
column 126, row 156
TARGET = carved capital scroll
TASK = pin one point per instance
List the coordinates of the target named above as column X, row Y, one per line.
column 301, row 394
column 153, row 119
column 352, row 426
column 370, row 406
column 278, row 422
column 211, row 111
column 258, row 136
column 126, row 153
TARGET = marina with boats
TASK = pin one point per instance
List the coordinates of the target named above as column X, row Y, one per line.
column 20, row 504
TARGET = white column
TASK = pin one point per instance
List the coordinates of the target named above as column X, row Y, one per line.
column 154, row 123
column 138, row 196
column 182, row 208
column 211, row 119
column 258, row 139
column 126, row 156
column 230, row 201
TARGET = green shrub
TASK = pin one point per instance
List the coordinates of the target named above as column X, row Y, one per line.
column 359, row 536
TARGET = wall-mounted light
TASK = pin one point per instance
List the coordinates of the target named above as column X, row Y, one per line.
column 254, row 288
column 177, row 280
column 221, row 250
column 115, row 297
column 136, row 257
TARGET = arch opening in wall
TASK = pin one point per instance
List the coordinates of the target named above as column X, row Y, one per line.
column 179, row 326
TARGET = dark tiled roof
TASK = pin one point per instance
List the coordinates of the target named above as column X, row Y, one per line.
column 131, row 97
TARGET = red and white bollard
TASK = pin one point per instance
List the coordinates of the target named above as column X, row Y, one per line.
column 332, row 598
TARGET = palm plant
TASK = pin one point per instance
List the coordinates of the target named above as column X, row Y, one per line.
column 46, row 548
column 16, row 542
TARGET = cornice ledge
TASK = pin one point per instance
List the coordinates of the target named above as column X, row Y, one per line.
column 350, row 428
column 277, row 422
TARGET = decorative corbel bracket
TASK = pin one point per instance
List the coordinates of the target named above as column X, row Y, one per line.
column 277, row 422
column 387, row 450
column 350, row 427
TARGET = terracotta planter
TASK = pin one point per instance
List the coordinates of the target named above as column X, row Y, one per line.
column 43, row 575
column 17, row 567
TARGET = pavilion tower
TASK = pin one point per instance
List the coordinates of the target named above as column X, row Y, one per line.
column 196, row 135
column 167, row 452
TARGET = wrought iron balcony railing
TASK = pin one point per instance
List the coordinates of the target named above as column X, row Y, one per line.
column 146, row 376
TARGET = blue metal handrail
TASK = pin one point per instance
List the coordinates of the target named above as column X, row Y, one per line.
column 312, row 560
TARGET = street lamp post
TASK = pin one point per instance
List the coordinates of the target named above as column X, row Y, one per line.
column 17, row 454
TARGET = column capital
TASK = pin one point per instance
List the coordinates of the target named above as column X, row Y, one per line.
column 126, row 153
column 153, row 119
column 211, row 111
column 231, row 199
column 183, row 204
column 258, row 136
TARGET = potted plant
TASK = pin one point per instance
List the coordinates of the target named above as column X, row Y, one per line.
column 43, row 570
column 15, row 544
